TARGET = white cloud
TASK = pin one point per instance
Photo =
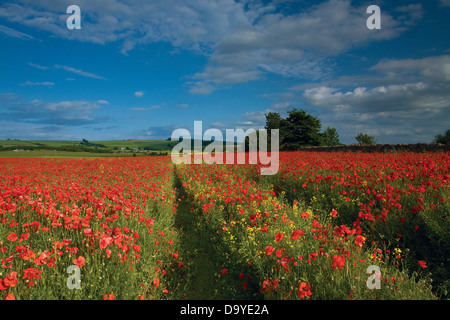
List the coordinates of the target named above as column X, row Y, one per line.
column 415, row 110
column 296, row 44
column 37, row 66
column 242, row 40
column 432, row 69
column 190, row 24
column 70, row 113
column 138, row 94
column 45, row 83
column 202, row 87
column 102, row 102
column 16, row 34
column 255, row 116
column 145, row 109
column 392, row 98
column 79, row 72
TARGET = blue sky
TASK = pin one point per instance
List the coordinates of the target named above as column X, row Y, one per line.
column 141, row 69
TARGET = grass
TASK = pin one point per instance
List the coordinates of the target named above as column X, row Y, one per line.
column 154, row 144
column 58, row 154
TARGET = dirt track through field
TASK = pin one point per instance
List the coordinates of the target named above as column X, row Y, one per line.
column 201, row 263
column 202, row 279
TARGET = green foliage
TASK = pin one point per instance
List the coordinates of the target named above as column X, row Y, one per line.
column 444, row 139
column 330, row 137
column 365, row 139
column 300, row 129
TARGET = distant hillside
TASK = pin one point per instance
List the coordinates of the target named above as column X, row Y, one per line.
column 106, row 146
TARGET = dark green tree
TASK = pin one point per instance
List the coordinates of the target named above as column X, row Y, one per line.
column 299, row 129
column 253, row 138
column 444, row 139
column 273, row 121
column 330, row 137
column 365, row 139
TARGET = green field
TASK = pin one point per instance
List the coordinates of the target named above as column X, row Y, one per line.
column 58, row 154
column 154, row 144
column 85, row 148
column 67, row 148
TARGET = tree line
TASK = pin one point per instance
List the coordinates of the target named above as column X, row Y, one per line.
column 300, row 129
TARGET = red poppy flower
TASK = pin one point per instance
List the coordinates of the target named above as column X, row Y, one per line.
column 422, row 263
column 10, row 280
column 304, row 290
column 338, row 261
column 31, row 274
column 334, row 213
column 3, row 286
column 359, row 240
column 224, row 271
column 109, row 296
column 296, row 234
column 12, row 237
column 279, row 236
column 24, row 236
column 10, row 296
column 79, row 261
column 269, row 250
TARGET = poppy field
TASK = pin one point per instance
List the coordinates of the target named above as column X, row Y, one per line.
column 326, row 226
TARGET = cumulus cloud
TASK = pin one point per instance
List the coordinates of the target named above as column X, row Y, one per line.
column 296, row 45
column 419, row 107
column 432, row 69
column 190, row 24
column 242, row 40
column 31, row 131
column 68, row 113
